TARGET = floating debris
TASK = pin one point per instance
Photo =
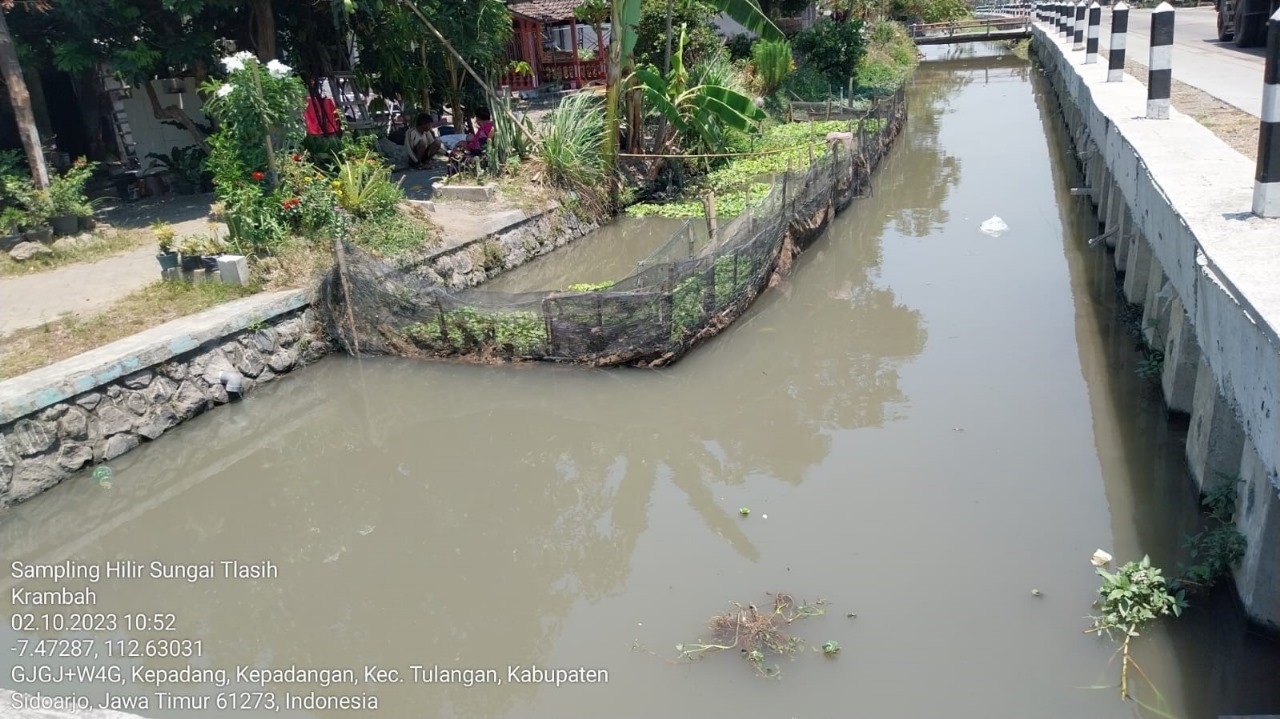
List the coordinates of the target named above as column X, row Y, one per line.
column 744, row 511
column 102, row 475
column 830, row 648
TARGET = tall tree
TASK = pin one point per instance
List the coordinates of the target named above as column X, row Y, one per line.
column 21, row 100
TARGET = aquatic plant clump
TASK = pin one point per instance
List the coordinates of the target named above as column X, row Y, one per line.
column 758, row 635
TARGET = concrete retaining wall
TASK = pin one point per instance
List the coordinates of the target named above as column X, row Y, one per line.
column 1174, row 201
column 481, row 259
column 95, row 407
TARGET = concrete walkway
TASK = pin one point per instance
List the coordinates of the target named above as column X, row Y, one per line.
column 1221, row 69
column 32, row 300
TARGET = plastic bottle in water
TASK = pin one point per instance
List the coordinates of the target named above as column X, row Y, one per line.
column 102, row 475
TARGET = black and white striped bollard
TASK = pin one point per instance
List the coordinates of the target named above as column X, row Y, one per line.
column 1119, row 31
column 1077, row 42
column 1069, row 20
column 1091, row 38
column 1266, row 188
column 1160, row 79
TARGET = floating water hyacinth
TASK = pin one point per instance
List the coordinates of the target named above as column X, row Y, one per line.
column 102, row 475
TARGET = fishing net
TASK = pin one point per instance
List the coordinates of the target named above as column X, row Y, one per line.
column 683, row 293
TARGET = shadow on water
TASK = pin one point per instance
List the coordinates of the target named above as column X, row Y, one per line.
column 912, row 411
column 1224, row 666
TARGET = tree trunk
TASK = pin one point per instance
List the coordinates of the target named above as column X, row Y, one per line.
column 12, row 72
column 263, row 22
column 613, row 95
column 426, row 85
column 174, row 113
column 455, row 95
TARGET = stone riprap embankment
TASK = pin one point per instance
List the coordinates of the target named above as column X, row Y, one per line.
column 1174, row 202
column 481, row 259
column 93, row 408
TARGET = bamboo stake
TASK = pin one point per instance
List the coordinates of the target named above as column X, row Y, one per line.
column 467, row 66
column 346, row 293
column 710, row 203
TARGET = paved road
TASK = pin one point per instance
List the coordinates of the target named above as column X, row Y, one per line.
column 1218, row 68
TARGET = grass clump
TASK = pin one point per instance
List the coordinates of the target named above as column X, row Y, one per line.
column 569, row 157
column 68, row 336
column 103, row 245
column 395, row 234
column 890, row 59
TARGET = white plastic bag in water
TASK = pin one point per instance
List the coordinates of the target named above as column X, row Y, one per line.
column 994, row 226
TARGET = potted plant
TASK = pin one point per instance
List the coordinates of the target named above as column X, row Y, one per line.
column 190, row 247
column 11, row 221
column 185, row 166
column 36, row 209
column 211, row 250
column 66, row 194
column 168, row 255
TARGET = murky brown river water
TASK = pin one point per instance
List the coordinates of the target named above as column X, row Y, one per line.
column 927, row 423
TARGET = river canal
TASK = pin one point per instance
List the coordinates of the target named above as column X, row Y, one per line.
column 926, row 421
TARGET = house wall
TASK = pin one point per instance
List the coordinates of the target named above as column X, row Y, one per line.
column 152, row 135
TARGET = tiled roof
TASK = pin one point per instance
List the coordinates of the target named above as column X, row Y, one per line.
column 544, row 10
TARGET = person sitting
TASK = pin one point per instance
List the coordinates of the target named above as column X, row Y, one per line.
column 421, row 142
column 474, row 144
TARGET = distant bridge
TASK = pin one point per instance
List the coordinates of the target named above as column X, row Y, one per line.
column 999, row 24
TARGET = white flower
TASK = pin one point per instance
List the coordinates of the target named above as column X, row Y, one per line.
column 1100, row 558
column 236, row 61
column 225, row 90
column 278, row 69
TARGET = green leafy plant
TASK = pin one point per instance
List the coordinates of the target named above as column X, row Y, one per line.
column 1151, row 366
column 1132, row 598
column 186, row 164
column 66, row 191
column 364, row 186
column 1214, row 550
column 569, row 155
column 37, row 206
column 590, row 286
column 698, row 112
column 771, row 62
column 832, row 48
column 165, row 234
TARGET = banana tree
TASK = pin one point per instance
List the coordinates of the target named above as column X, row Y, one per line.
column 697, row 112
column 624, row 16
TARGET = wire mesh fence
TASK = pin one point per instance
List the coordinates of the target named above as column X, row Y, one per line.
column 681, row 295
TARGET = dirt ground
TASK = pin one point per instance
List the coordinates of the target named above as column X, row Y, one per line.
column 1235, row 127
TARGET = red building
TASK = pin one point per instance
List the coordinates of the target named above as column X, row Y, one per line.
column 555, row 45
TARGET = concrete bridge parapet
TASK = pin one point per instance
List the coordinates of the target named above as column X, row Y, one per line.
column 1175, row 203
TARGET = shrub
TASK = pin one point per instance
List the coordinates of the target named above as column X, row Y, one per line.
column 364, row 187
column 832, row 48
column 570, row 155
column 66, row 192
column 738, row 46
column 771, row 62
column 807, row 83
column 651, row 32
